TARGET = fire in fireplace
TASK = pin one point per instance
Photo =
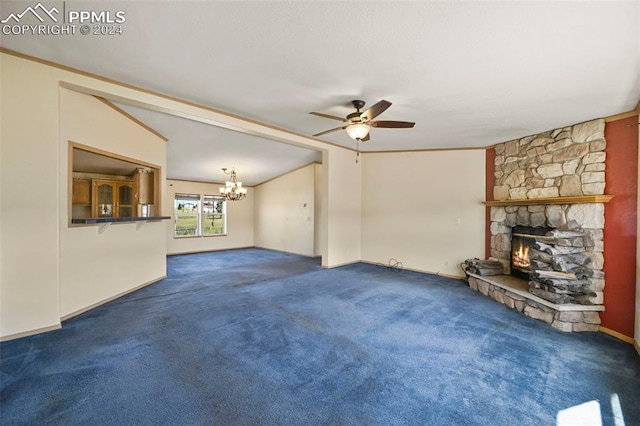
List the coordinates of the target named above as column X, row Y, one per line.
column 522, row 239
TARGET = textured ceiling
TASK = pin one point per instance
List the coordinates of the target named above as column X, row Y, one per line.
column 470, row 74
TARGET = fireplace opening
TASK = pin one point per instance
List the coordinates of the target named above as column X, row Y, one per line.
column 522, row 239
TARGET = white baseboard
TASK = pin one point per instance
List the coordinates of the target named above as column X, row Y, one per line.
column 338, row 265
column 30, row 332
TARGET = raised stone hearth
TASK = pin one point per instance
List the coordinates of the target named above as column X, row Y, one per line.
column 514, row 293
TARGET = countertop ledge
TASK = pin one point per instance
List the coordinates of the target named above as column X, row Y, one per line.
column 98, row 220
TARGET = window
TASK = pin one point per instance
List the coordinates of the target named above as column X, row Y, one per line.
column 199, row 215
column 213, row 215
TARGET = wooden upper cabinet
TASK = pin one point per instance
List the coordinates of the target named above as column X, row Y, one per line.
column 81, row 192
column 109, row 185
column 144, row 184
column 112, row 199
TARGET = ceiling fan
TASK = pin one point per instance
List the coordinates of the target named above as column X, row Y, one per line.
column 359, row 123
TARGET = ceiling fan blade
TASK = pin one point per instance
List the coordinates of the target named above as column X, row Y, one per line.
column 329, row 131
column 333, row 117
column 366, row 138
column 392, row 124
column 375, row 110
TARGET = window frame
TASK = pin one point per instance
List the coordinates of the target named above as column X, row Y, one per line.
column 201, row 214
column 222, row 212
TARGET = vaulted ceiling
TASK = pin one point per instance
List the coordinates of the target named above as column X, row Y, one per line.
column 470, row 74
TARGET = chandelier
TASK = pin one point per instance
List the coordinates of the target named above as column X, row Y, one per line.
column 233, row 189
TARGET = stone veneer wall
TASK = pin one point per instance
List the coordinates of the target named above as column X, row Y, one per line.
column 559, row 163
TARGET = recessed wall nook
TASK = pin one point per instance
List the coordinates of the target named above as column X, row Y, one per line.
column 553, row 180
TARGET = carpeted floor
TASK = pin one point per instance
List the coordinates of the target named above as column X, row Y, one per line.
column 254, row 337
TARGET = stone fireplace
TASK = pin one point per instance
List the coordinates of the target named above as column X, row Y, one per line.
column 554, row 180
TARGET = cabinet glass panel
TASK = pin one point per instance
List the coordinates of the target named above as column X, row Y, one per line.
column 125, row 195
column 105, row 200
column 125, row 200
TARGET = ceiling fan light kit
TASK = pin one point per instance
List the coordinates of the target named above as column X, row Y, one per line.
column 359, row 123
column 358, row 131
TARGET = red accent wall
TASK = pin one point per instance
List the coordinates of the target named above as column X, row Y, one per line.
column 490, row 159
column 620, row 227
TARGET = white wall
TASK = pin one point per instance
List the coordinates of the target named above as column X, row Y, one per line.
column 96, row 266
column 423, row 209
column 239, row 220
column 284, row 212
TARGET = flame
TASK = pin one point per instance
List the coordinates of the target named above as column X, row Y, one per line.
column 521, row 257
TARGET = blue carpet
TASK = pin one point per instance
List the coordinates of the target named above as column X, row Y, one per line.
column 254, row 337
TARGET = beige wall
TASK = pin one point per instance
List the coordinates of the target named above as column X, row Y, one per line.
column 317, row 209
column 341, row 208
column 284, row 212
column 98, row 266
column 423, row 209
column 239, row 220
column 637, row 323
column 29, row 173
column 33, row 194
column 48, row 270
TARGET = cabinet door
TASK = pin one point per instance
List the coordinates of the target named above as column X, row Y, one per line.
column 81, row 192
column 144, row 184
column 104, row 198
column 125, row 200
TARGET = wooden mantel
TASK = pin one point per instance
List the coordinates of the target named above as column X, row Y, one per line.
column 554, row 200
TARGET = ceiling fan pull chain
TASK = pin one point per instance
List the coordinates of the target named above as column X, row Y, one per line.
column 357, row 150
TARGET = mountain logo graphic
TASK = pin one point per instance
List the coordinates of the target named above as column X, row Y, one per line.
column 38, row 11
